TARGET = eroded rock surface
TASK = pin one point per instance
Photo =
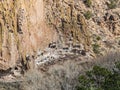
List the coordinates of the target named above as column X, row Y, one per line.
column 91, row 25
column 22, row 30
column 29, row 27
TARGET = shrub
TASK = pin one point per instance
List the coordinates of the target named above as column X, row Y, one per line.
column 100, row 78
column 88, row 15
column 112, row 4
column 88, row 3
column 98, row 38
column 96, row 48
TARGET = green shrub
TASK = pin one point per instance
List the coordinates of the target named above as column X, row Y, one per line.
column 98, row 38
column 117, row 65
column 112, row 4
column 88, row 15
column 88, row 3
column 100, row 78
column 96, row 48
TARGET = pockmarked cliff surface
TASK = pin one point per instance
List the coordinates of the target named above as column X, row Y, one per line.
column 22, row 31
column 28, row 26
column 46, row 44
column 93, row 24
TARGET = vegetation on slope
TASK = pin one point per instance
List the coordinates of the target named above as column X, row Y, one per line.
column 100, row 78
column 102, row 74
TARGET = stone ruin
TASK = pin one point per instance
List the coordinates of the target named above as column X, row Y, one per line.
column 53, row 52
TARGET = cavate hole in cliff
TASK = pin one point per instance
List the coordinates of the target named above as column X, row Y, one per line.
column 47, row 44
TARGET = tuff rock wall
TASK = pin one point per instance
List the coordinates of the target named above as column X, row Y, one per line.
column 68, row 21
column 22, row 30
column 93, row 23
column 29, row 25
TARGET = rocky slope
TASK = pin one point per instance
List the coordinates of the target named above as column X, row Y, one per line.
column 43, row 30
column 92, row 23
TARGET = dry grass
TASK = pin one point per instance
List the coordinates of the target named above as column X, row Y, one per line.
column 64, row 75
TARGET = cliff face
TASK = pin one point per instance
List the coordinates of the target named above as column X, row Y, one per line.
column 29, row 25
column 91, row 23
column 68, row 21
column 22, row 30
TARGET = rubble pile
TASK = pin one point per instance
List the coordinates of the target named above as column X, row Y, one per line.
column 54, row 53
